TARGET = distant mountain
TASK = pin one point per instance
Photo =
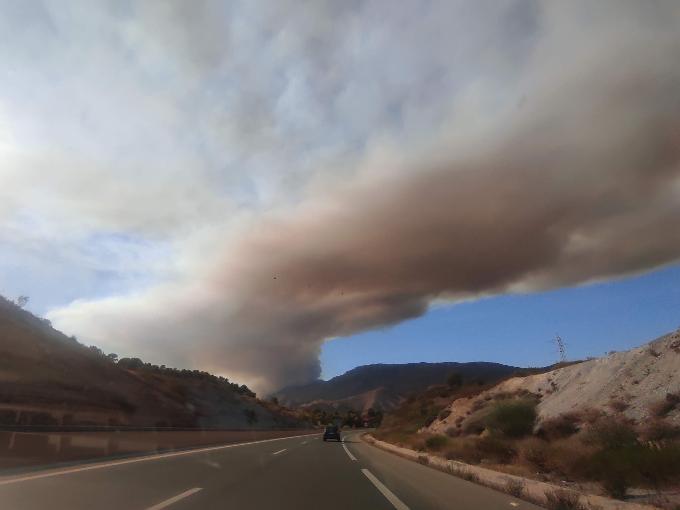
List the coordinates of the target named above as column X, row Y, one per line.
column 385, row 386
column 47, row 378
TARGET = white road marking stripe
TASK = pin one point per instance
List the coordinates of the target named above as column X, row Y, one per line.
column 349, row 454
column 391, row 497
column 280, row 451
column 303, row 442
column 138, row 459
column 174, row 499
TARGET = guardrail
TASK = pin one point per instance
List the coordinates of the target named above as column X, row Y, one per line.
column 21, row 450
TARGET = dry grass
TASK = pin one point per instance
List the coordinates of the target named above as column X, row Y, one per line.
column 561, row 426
column 563, row 500
column 514, row 487
column 464, row 473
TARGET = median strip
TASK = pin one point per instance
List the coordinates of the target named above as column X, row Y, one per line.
column 389, row 495
column 174, row 499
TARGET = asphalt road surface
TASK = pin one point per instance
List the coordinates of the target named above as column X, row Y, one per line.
column 291, row 473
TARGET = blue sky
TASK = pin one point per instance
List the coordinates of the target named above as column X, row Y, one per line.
column 517, row 329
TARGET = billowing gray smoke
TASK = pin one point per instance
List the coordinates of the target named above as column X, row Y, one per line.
column 580, row 180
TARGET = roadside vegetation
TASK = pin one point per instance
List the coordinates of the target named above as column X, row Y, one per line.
column 587, row 449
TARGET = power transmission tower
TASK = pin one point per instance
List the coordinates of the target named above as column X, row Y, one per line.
column 561, row 348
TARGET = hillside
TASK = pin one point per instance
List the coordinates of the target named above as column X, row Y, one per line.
column 385, row 386
column 47, row 378
column 639, row 383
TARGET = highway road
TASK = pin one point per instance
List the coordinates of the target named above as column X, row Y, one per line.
column 290, row 473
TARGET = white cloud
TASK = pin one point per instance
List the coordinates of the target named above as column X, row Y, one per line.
column 163, row 162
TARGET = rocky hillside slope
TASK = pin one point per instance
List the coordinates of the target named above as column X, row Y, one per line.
column 640, row 383
column 49, row 379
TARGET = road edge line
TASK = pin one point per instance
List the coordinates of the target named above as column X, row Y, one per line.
column 389, row 495
column 349, row 454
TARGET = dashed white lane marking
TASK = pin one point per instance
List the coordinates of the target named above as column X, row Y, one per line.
column 280, row 451
column 303, row 442
column 175, row 499
column 48, row 474
column 391, row 497
column 349, row 454
column 512, row 503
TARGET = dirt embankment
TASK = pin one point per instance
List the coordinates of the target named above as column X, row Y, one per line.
column 631, row 382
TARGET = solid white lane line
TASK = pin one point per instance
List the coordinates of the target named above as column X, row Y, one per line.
column 280, row 451
column 174, row 499
column 391, row 497
column 349, row 454
column 138, row 459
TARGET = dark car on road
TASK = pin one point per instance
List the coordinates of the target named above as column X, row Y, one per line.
column 331, row 432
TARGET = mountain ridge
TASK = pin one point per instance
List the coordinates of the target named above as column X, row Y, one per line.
column 387, row 384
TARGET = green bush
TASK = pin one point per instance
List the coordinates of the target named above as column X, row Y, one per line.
column 436, row 442
column 513, row 418
column 624, row 466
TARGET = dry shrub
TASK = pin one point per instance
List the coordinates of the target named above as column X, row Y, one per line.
column 453, row 432
column 589, row 415
column 563, row 500
column 618, row 406
column 416, row 444
column 663, row 407
column 660, row 430
column 444, row 414
column 464, row 473
column 564, row 425
column 474, row 425
column 514, row 487
column 464, row 450
column 612, row 434
column 621, row 461
column 535, row 452
column 477, row 405
column 496, row 449
column 436, row 443
column 567, row 457
column 653, row 352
